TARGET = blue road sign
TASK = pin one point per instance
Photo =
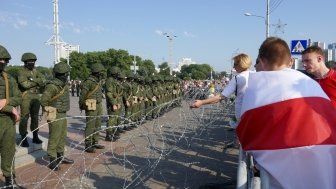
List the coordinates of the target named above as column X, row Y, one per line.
column 297, row 46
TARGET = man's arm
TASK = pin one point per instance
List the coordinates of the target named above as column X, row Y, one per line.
column 212, row 100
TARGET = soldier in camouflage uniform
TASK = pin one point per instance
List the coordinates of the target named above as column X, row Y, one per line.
column 128, row 98
column 56, row 102
column 114, row 92
column 10, row 97
column 30, row 83
column 156, row 97
column 90, row 100
column 148, row 98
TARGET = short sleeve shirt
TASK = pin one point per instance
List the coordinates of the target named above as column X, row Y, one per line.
column 328, row 84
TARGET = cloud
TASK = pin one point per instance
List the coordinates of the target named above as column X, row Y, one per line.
column 96, row 28
column 20, row 23
column 159, row 32
column 13, row 19
column 187, row 34
column 45, row 26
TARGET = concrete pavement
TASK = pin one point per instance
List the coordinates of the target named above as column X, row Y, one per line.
column 182, row 149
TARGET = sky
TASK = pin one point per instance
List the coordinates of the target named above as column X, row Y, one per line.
column 207, row 31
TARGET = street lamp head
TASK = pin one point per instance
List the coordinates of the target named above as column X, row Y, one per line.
column 247, row 14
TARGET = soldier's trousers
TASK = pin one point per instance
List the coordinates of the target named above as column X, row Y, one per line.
column 57, row 135
column 128, row 114
column 7, row 145
column 93, row 125
column 30, row 107
column 113, row 121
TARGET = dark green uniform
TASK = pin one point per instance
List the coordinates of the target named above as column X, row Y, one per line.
column 10, row 97
column 56, row 95
column 30, row 83
column 91, row 92
column 114, row 92
column 128, row 97
column 7, row 128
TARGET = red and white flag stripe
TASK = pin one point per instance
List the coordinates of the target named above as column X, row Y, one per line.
column 288, row 124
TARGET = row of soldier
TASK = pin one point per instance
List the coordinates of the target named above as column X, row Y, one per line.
column 130, row 100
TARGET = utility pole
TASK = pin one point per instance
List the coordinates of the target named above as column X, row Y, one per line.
column 170, row 38
column 55, row 39
column 134, row 67
column 267, row 19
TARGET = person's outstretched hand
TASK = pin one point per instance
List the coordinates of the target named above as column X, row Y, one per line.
column 196, row 104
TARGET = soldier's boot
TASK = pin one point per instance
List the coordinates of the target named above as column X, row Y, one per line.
column 108, row 137
column 11, row 183
column 53, row 164
column 36, row 139
column 62, row 159
column 89, row 148
column 98, row 146
column 121, row 130
column 112, row 136
column 24, row 141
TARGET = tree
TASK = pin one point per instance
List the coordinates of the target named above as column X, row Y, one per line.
column 164, row 69
column 331, row 64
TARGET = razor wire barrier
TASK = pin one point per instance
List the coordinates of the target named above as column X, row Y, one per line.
column 181, row 149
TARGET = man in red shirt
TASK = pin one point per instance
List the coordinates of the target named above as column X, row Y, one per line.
column 314, row 63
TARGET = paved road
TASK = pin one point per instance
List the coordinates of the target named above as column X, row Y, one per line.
column 182, row 149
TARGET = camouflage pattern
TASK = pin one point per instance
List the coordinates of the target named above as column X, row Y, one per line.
column 58, row 128
column 31, row 83
column 4, row 53
column 91, row 88
column 28, row 56
column 7, row 129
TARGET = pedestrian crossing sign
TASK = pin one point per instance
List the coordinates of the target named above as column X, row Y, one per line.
column 297, row 46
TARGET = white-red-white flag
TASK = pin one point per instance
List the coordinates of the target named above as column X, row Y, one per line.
column 289, row 125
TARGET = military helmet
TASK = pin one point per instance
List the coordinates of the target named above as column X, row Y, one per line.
column 121, row 75
column 148, row 80
column 61, row 68
column 4, row 53
column 28, row 56
column 114, row 70
column 97, row 67
column 130, row 75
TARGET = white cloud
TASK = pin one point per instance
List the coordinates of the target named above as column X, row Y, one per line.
column 97, row 28
column 159, row 32
column 187, row 34
column 45, row 26
column 13, row 19
column 20, row 23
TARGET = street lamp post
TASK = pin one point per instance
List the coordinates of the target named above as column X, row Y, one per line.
column 267, row 19
column 68, row 49
column 170, row 38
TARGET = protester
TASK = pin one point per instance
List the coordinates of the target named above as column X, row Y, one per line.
column 237, row 85
column 314, row 63
column 288, row 123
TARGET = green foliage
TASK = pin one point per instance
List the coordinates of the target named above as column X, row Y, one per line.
column 195, row 71
column 13, row 70
column 164, row 69
column 331, row 64
column 81, row 62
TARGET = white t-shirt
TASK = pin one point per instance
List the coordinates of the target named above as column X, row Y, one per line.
column 242, row 81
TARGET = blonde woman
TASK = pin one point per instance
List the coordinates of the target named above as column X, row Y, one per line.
column 237, row 85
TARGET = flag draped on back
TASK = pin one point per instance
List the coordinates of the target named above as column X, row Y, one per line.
column 288, row 124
